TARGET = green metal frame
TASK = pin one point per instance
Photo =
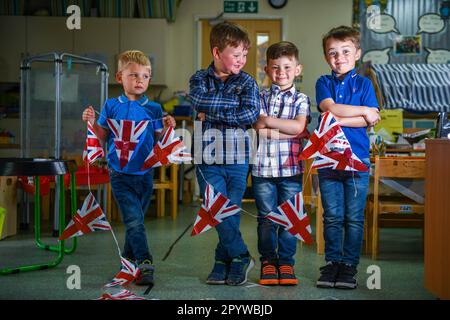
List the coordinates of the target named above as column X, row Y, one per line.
column 60, row 248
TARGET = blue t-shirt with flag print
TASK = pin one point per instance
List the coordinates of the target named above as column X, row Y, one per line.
column 132, row 125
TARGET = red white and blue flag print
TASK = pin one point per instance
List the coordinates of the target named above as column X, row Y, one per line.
column 127, row 274
column 330, row 148
column 168, row 149
column 86, row 220
column 291, row 216
column 126, row 137
column 214, row 209
column 93, row 149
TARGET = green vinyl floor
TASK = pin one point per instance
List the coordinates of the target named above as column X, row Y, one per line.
column 182, row 275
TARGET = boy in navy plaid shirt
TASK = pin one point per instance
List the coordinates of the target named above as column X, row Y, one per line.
column 227, row 102
column 277, row 173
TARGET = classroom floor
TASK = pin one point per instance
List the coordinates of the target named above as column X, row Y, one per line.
column 182, row 275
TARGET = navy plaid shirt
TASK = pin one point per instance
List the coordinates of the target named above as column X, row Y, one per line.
column 230, row 108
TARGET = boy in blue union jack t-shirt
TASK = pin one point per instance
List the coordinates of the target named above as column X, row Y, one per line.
column 351, row 99
column 227, row 102
column 128, row 124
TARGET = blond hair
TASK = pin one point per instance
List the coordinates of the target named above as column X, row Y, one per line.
column 132, row 56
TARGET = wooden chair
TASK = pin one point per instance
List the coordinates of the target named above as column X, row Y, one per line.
column 395, row 211
column 314, row 200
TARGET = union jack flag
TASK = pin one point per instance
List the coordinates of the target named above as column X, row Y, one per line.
column 127, row 134
column 86, row 220
column 214, row 209
column 120, row 295
column 167, row 150
column 291, row 216
column 128, row 273
column 329, row 129
column 330, row 147
column 93, row 149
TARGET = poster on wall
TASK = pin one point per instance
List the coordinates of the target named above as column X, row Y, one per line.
column 408, row 45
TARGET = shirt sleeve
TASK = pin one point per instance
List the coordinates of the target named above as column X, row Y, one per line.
column 245, row 113
column 369, row 97
column 206, row 99
column 302, row 106
column 104, row 115
column 322, row 91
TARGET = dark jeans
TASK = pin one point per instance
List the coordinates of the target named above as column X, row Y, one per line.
column 343, row 199
column 231, row 181
column 133, row 194
column 269, row 193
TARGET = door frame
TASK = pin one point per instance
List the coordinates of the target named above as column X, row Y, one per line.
column 198, row 33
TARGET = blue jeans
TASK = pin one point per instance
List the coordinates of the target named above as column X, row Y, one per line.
column 231, row 181
column 343, row 199
column 269, row 193
column 133, row 194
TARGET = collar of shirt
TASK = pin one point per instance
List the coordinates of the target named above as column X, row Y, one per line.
column 349, row 75
column 142, row 101
column 275, row 90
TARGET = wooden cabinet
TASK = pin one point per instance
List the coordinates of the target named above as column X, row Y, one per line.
column 48, row 34
column 99, row 39
column 149, row 36
column 12, row 37
column 437, row 218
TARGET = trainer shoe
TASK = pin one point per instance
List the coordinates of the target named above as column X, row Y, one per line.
column 287, row 275
column 239, row 269
column 269, row 274
column 328, row 275
column 346, row 278
column 219, row 273
column 145, row 277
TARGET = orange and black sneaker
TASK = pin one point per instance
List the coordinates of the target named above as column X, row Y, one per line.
column 287, row 275
column 269, row 274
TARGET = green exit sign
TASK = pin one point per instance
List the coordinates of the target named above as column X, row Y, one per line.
column 240, row 6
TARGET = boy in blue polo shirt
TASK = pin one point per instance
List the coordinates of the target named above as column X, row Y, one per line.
column 128, row 124
column 227, row 102
column 351, row 99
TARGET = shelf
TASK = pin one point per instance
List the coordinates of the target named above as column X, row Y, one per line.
column 9, row 146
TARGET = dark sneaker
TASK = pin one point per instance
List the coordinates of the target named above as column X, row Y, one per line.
column 269, row 274
column 346, row 278
column 145, row 277
column 239, row 269
column 328, row 275
column 287, row 275
column 219, row 273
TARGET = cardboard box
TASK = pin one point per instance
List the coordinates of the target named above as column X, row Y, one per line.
column 8, row 201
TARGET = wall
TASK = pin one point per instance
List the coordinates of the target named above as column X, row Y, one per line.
column 305, row 21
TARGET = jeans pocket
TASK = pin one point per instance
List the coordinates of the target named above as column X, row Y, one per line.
column 113, row 173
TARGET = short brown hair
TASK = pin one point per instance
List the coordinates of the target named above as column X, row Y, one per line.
column 342, row 33
column 228, row 34
column 280, row 49
column 132, row 56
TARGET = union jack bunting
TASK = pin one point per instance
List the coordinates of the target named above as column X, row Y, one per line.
column 93, row 149
column 169, row 149
column 126, row 137
column 120, row 295
column 128, row 273
column 329, row 129
column 291, row 216
column 330, row 147
column 86, row 220
column 214, row 209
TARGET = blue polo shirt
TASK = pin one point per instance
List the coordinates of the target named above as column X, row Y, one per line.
column 134, row 142
column 354, row 90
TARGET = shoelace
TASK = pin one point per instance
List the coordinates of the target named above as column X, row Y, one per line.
column 269, row 269
column 287, row 269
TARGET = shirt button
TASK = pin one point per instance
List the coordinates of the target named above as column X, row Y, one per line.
column 342, row 82
column 340, row 96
